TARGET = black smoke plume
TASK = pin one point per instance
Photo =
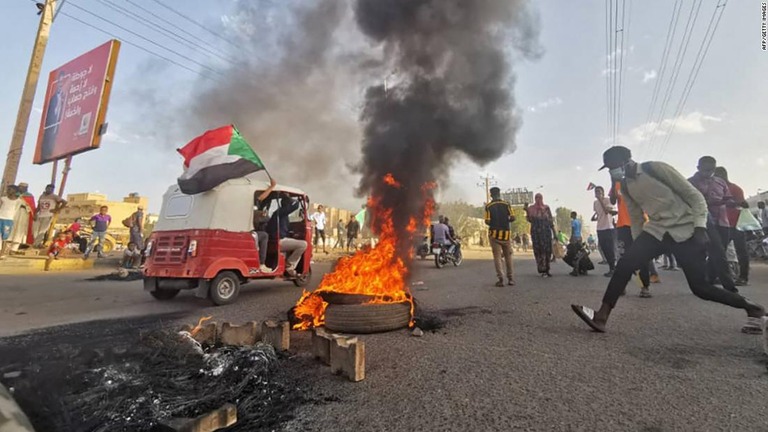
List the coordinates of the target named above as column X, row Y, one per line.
column 455, row 95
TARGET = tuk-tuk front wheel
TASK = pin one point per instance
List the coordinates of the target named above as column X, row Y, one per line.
column 302, row 279
column 224, row 288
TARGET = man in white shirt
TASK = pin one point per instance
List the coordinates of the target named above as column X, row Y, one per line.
column 48, row 204
column 319, row 219
column 9, row 205
column 606, row 238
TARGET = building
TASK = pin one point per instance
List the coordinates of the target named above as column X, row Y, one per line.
column 518, row 196
column 86, row 204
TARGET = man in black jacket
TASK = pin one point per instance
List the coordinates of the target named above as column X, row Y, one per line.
column 498, row 215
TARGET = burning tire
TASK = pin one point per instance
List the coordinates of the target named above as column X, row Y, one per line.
column 367, row 318
column 224, row 288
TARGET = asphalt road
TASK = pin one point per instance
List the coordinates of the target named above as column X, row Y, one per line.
column 512, row 358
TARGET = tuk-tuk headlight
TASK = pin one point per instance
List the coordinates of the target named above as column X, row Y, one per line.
column 192, row 249
column 148, row 249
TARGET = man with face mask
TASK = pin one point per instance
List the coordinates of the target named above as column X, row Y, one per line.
column 677, row 221
column 717, row 196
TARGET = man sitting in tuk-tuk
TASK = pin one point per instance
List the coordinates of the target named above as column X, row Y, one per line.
column 259, row 216
column 279, row 225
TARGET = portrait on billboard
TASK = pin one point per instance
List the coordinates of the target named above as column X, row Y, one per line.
column 76, row 103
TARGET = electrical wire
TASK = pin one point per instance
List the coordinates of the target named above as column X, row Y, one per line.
column 671, row 30
column 135, row 45
column 676, row 67
column 146, row 39
column 709, row 35
column 144, row 21
column 195, row 23
column 621, row 67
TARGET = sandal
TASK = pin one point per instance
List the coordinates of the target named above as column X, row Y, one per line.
column 754, row 326
column 588, row 316
column 500, row 283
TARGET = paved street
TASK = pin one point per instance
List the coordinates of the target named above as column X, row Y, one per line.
column 506, row 358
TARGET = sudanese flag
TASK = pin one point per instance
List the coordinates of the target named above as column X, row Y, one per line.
column 215, row 157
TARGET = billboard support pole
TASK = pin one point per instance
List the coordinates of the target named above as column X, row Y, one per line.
column 53, row 171
column 28, row 94
column 64, row 175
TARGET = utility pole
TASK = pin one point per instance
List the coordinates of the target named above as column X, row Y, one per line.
column 28, row 95
column 488, row 180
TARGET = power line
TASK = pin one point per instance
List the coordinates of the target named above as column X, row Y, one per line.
column 709, row 35
column 161, row 30
column 671, row 30
column 195, row 23
column 679, row 57
column 607, row 71
column 127, row 42
column 621, row 67
column 146, row 39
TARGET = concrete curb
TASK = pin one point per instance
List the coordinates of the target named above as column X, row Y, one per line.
column 36, row 264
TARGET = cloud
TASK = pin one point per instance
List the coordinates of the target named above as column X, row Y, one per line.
column 541, row 106
column 689, row 124
column 649, row 75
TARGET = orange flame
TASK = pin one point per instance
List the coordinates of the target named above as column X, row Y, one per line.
column 378, row 272
column 199, row 325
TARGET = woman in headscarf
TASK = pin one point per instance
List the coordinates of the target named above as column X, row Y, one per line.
column 542, row 229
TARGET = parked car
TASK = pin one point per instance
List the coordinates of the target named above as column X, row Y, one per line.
column 206, row 242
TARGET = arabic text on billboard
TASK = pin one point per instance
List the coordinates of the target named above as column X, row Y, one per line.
column 76, row 104
column 518, row 196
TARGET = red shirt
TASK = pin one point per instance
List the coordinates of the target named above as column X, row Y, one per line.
column 737, row 194
column 75, row 228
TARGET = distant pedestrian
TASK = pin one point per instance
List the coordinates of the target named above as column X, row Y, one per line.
column 542, row 232
column 319, row 219
column 353, row 229
column 9, row 206
column 137, row 227
column 733, row 211
column 717, row 195
column 498, row 217
column 58, row 244
column 606, row 235
column 518, row 242
column 131, row 256
column 591, row 244
column 677, row 219
column 624, row 238
column 47, row 205
column 526, row 242
column 100, row 223
column 575, row 228
column 762, row 216
column 340, row 234
column 25, row 233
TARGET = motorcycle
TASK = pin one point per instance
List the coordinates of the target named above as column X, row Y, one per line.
column 422, row 248
column 443, row 255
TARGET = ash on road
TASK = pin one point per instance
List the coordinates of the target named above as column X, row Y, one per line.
column 512, row 358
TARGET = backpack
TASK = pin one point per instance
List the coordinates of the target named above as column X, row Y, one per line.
column 128, row 222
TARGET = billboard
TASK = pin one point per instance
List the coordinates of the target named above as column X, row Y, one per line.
column 518, row 196
column 76, row 104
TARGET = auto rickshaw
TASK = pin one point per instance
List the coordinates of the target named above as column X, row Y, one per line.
column 207, row 242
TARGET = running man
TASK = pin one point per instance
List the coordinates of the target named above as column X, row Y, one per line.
column 677, row 216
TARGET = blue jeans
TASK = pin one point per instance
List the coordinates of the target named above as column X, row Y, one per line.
column 6, row 226
column 96, row 235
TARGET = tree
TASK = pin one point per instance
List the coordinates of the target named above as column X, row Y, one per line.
column 521, row 224
column 563, row 219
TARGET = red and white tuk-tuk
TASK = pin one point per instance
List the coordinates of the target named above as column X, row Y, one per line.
column 207, row 241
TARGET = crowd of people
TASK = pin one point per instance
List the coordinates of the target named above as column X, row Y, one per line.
column 650, row 213
column 25, row 221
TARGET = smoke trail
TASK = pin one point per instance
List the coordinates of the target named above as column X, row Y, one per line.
column 293, row 104
column 456, row 97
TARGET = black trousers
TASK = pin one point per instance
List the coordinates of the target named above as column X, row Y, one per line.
column 691, row 257
column 740, row 244
column 625, row 240
column 719, row 237
column 606, row 239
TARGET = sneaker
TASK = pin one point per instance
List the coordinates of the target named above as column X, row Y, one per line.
column 609, row 274
column 574, row 273
column 511, row 282
column 645, row 292
column 655, row 279
column 500, row 283
column 291, row 272
column 265, row 269
column 741, row 282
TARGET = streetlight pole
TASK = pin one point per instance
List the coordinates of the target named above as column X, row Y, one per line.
column 28, row 94
column 488, row 180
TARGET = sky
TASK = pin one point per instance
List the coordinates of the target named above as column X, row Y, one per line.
column 561, row 97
